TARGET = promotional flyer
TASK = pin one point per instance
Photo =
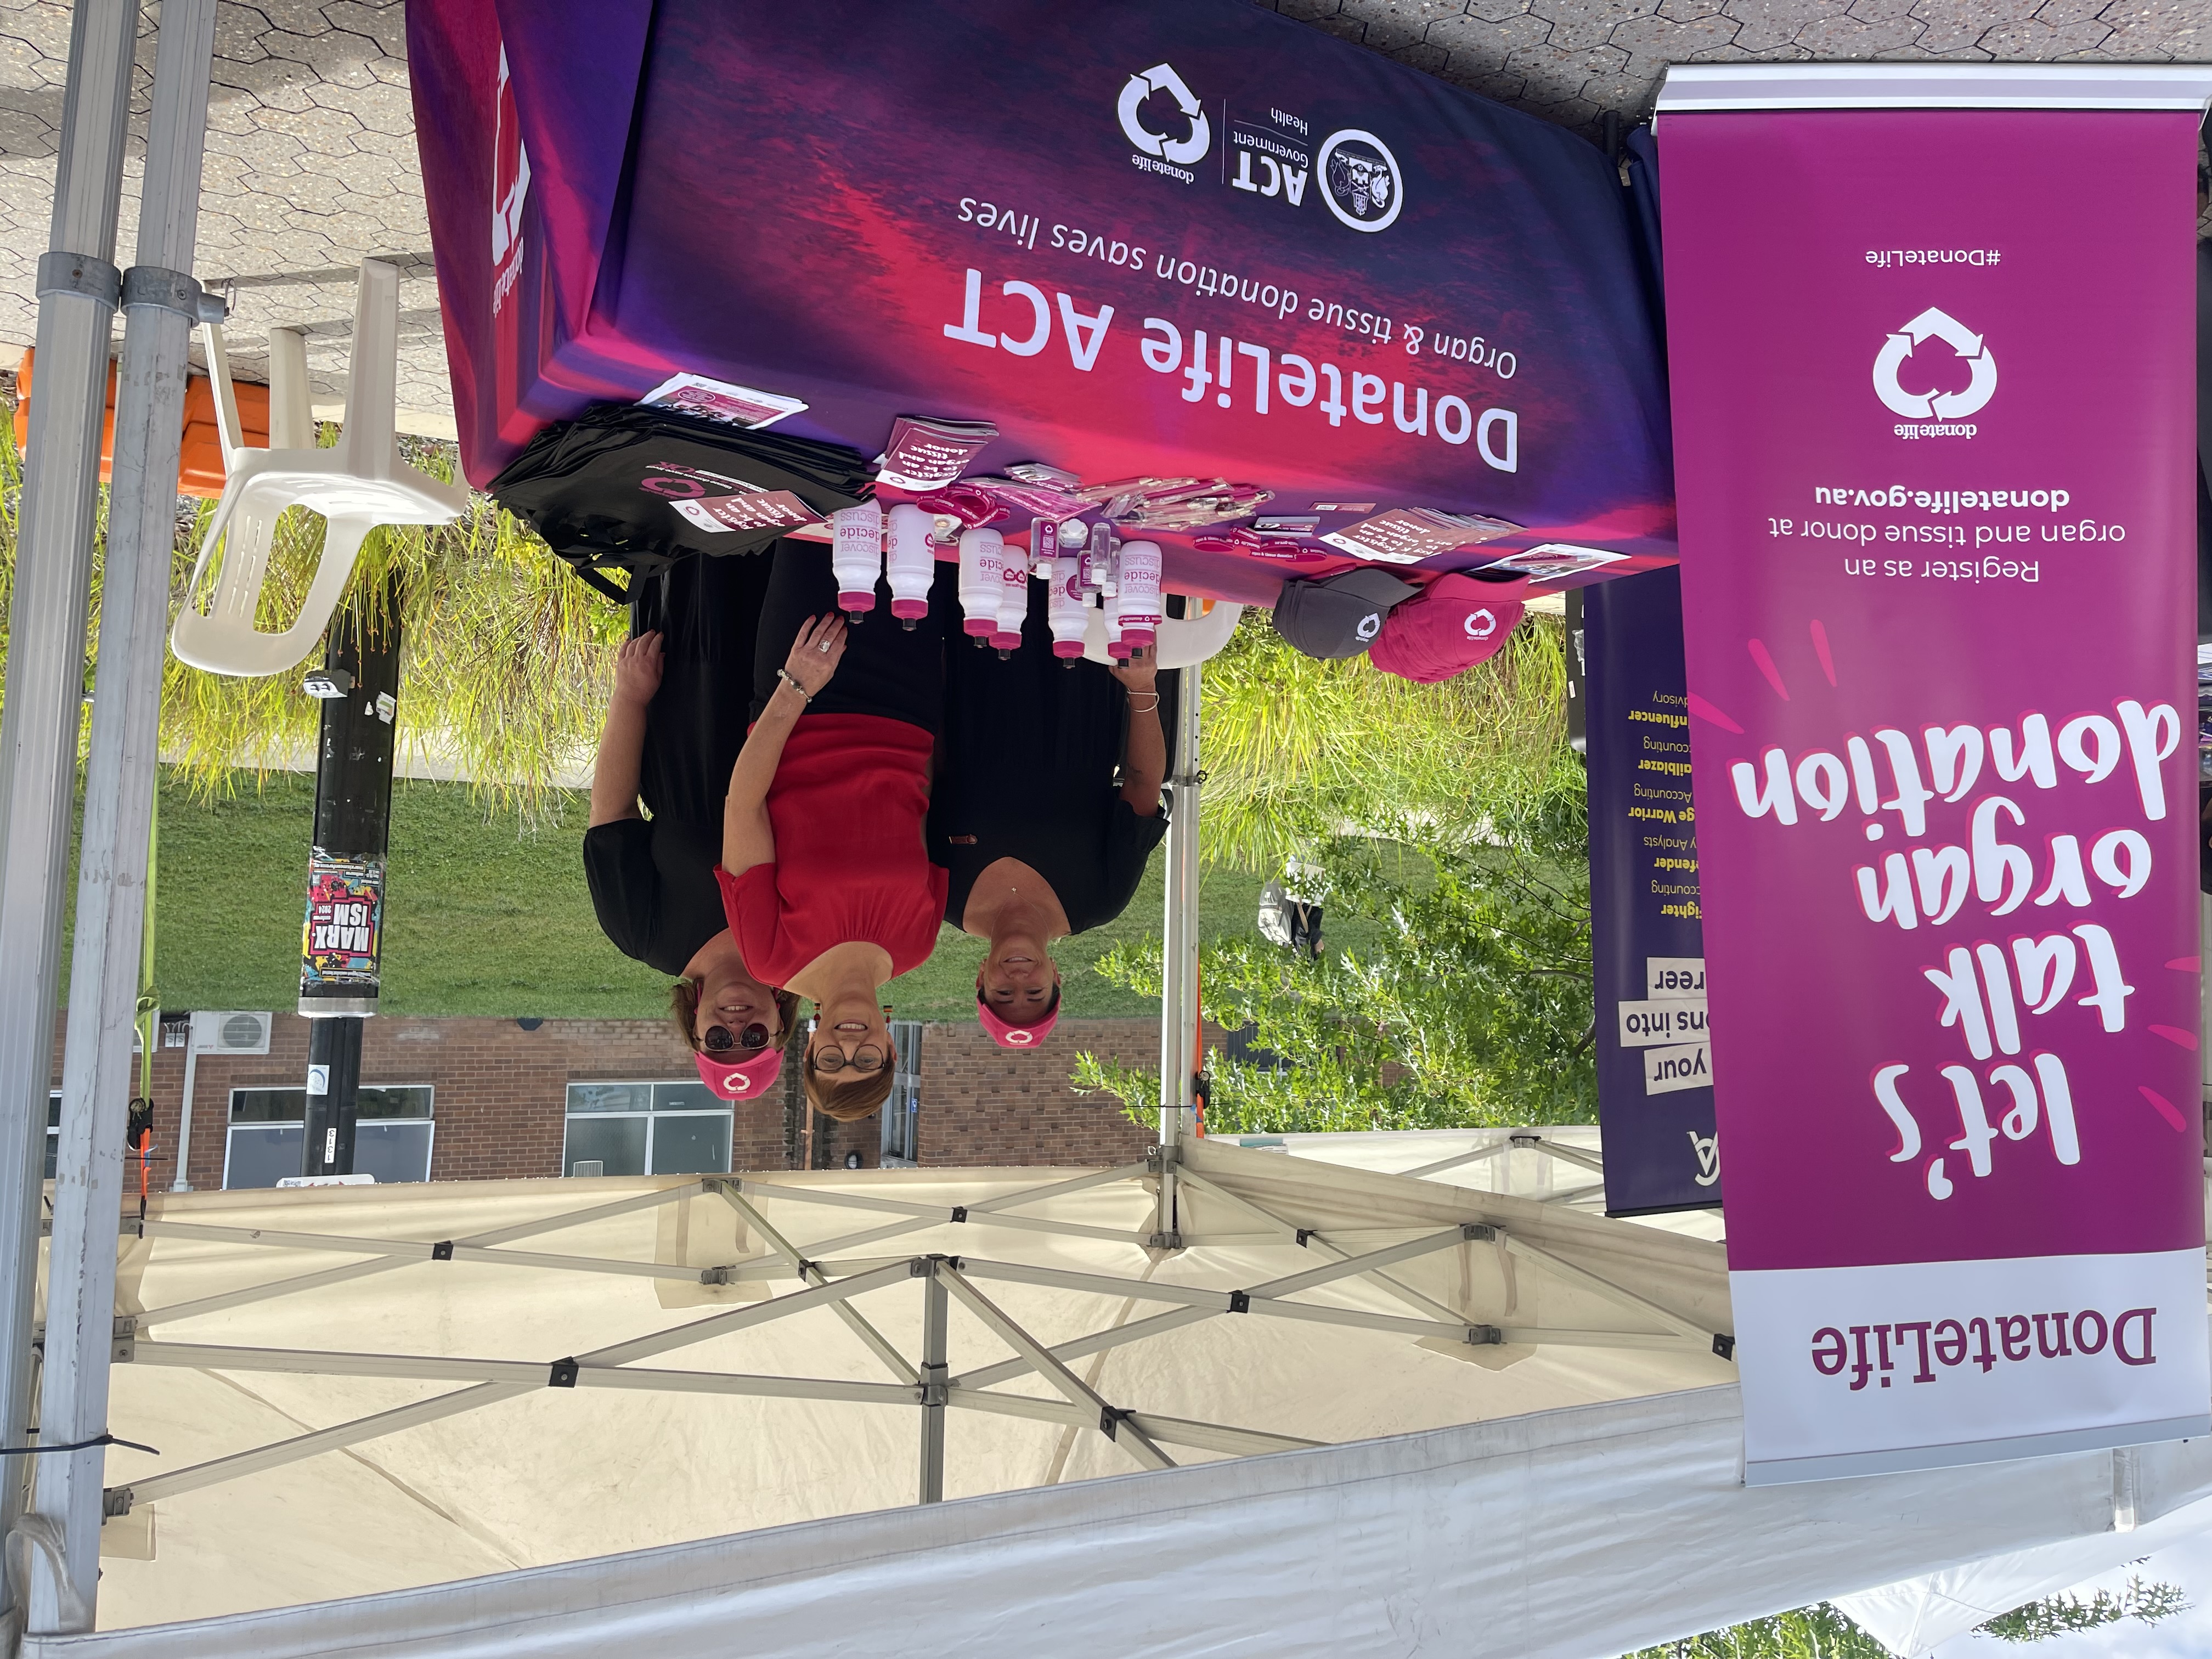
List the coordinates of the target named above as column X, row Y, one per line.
column 1934, row 444
column 1184, row 242
column 1655, row 1081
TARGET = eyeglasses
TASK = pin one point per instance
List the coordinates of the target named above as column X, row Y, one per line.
column 720, row 1040
column 866, row 1058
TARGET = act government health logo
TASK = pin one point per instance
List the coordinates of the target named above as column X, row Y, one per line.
column 1361, row 183
column 1162, row 117
column 1900, row 359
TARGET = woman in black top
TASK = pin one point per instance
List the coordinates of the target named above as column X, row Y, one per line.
column 683, row 683
column 1042, row 837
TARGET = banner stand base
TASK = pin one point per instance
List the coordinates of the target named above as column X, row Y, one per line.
column 1789, row 1471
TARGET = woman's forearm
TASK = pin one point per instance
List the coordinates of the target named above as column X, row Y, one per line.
column 747, row 839
column 1144, row 767
column 614, row 773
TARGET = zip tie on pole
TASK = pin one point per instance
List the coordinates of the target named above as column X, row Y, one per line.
column 77, row 1446
column 79, row 273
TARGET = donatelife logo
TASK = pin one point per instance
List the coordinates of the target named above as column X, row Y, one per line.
column 1139, row 91
column 1360, row 181
column 1486, row 617
column 1897, row 350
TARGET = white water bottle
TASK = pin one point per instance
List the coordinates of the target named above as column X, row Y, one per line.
column 1013, row 603
column 856, row 556
column 1116, row 647
column 911, row 562
column 982, row 568
column 1068, row 614
column 1139, row 593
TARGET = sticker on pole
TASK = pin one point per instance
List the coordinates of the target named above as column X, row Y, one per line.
column 342, row 941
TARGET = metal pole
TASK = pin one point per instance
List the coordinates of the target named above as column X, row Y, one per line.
column 934, row 1309
column 181, row 1182
column 341, row 956
column 160, row 306
column 77, row 287
column 1179, row 954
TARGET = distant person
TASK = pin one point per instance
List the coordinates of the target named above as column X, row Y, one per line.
column 674, row 725
column 1046, row 810
column 825, row 879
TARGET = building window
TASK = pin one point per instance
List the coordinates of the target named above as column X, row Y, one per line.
column 645, row 1128
column 392, row 1142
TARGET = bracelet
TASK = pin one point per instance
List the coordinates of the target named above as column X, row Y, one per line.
column 785, row 675
column 1154, row 695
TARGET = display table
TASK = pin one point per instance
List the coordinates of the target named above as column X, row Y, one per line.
column 1195, row 241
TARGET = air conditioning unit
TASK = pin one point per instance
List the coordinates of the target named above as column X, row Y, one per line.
column 231, row 1032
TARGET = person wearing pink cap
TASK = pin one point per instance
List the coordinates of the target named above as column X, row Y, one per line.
column 826, row 881
column 1046, row 808
column 1455, row 622
column 674, row 725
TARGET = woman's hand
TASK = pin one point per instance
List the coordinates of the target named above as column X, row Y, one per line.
column 637, row 669
column 1139, row 672
column 817, row 651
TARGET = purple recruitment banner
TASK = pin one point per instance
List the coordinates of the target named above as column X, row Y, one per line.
column 1655, row 1081
column 1934, row 415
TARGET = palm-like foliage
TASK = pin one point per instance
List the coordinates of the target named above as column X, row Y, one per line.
column 507, row 658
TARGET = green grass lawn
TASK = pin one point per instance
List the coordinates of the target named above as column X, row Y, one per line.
column 483, row 917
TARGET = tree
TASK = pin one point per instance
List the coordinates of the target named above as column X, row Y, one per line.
column 1475, row 1007
column 1821, row 1631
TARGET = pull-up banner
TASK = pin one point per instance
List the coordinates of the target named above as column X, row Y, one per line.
column 1935, row 416
column 1654, row 1079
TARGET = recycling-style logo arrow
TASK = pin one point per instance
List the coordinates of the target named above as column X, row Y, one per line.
column 1162, row 77
column 1933, row 323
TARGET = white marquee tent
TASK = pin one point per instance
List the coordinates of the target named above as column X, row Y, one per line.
column 361, row 1395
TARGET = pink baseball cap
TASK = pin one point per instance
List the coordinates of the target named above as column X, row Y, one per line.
column 1007, row 1034
column 746, row 1080
column 1452, row 624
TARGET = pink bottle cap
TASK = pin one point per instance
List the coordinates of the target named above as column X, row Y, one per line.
column 1005, row 641
column 1120, row 650
column 856, row 603
column 1136, row 638
column 980, row 627
column 909, row 610
column 1067, row 648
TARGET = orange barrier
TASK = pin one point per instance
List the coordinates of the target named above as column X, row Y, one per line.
column 201, row 471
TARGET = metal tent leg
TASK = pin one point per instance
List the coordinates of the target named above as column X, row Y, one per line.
column 160, row 309
column 77, row 289
column 1179, row 951
column 935, row 1310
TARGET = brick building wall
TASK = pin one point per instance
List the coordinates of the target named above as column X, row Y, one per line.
column 500, row 1094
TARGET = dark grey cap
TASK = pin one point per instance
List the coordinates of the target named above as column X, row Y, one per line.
column 1337, row 616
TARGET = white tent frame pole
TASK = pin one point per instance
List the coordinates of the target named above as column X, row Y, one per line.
column 247, row 1295
column 161, row 307
column 892, row 1359
column 1159, row 1324
column 1459, row 1160
column 220, row 1469
column 1307, row 1237
column 1114, row 1425
column 935, row 1313
column 936, row 1212
column 1604, row 1287
column 1179, row 987
column 78, row 286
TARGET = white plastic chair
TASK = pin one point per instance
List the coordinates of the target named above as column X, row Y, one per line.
column 1178, row 641
column 357, row 485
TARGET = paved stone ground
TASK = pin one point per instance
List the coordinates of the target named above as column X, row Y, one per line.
column 311, row 157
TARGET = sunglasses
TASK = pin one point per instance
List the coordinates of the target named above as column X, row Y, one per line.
column 720, row 1040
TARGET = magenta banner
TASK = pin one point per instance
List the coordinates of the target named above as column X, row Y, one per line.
column 1935, row 417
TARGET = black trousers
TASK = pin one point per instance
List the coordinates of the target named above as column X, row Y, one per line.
column 887, row 668
column 707, row 610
